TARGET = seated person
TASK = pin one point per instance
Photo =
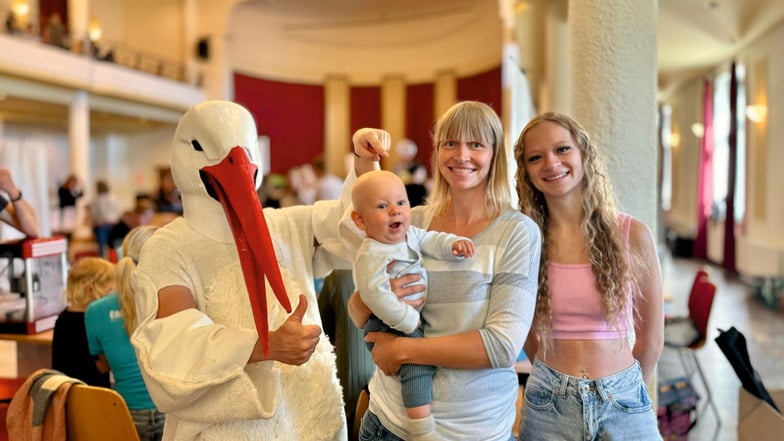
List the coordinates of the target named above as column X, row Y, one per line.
column 110, row 321
column 14, row 210
column 141, row 214
column 88, row 280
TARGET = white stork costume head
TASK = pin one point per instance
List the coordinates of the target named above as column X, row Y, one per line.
column 215, row 165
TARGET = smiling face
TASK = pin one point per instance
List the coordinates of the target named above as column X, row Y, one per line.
column 381, row 207
column 465, row 163
column 553, row 160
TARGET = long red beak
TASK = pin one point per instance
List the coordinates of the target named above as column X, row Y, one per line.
column 232, row 181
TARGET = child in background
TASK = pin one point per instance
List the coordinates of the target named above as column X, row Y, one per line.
column 392, row 248
column 110, row 321
column 88, row 280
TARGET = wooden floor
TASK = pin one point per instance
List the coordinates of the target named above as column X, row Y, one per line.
column 734, row 305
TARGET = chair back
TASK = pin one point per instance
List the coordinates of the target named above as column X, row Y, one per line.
column 700, row 304
column 96, row 414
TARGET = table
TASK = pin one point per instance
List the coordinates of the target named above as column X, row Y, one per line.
column 33, row 351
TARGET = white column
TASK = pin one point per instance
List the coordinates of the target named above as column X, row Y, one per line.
column 78, row 21
column 613, row 84
column 444, row 93
column 79, row 150
column 393, row 114
column 337, row 123
column 554, row 94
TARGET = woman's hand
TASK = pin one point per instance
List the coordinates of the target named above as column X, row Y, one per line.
column 408, row 285
column 386, row 352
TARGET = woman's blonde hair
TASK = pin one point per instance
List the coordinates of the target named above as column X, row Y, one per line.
column 472, row 120
column 89, row 279
column 131, row 249
column 600, row 228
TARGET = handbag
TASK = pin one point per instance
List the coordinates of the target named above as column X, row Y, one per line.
column 677, row 411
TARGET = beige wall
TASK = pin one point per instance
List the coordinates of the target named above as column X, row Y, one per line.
column 764, row 62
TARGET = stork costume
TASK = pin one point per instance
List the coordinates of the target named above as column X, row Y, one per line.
column 194, row 362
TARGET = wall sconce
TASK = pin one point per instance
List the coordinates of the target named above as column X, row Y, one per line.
column 698, row 130
column 675, row 139
column 94, row 30
column 756, row 112
column 20, row 8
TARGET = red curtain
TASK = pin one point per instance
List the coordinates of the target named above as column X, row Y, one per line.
column 732, row 143
column 420, row 102
column 484, row 87
column 292, row 115
column 705, row 174
column 365, row 108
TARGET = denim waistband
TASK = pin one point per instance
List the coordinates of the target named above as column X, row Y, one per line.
column 564, row 384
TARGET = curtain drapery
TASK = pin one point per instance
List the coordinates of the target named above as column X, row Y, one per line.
column 705, row 173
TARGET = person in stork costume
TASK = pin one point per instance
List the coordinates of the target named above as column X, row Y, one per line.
column 230, row 342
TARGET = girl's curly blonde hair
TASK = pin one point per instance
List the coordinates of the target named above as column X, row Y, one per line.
column 604, row 241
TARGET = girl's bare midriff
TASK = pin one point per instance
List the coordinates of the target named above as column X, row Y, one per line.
column 588, row 358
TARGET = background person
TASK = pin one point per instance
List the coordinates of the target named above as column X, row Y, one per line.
column 14, row 210
column 598, row 330
column 142, row 214
column 88, row 280
column 104, row 214
column 109, row 322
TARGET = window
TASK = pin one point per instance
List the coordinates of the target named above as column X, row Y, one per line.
column 721, row 151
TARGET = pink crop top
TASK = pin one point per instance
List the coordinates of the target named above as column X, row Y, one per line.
column 577, row 310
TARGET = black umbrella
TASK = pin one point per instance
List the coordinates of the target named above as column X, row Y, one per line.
column 733, row 343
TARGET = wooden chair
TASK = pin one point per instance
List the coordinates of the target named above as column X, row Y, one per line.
column 363, row 400
column 98, row 414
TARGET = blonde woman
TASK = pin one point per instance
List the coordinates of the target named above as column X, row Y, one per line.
column 598, row 328
column 478, row 311
column 110, row 322
column 88, row 280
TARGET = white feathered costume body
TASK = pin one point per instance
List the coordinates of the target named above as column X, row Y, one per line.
column 194, row 362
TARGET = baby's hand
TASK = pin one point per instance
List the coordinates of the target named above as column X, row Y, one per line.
column 463, row 248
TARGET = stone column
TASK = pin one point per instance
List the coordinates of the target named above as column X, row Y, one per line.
column 79, row 151
column 393, row 115
column 444, row 92
column 613, row 83
column 337, row 123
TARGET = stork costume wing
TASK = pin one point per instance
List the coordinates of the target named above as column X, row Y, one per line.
column 195, row 361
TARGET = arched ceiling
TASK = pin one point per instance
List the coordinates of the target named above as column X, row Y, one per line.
column 307, row 40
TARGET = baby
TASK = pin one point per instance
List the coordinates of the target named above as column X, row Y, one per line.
column 382, row 211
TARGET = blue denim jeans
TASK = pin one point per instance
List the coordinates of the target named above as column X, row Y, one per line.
column 149, row 424
column 561, row 407
column 371, row 429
